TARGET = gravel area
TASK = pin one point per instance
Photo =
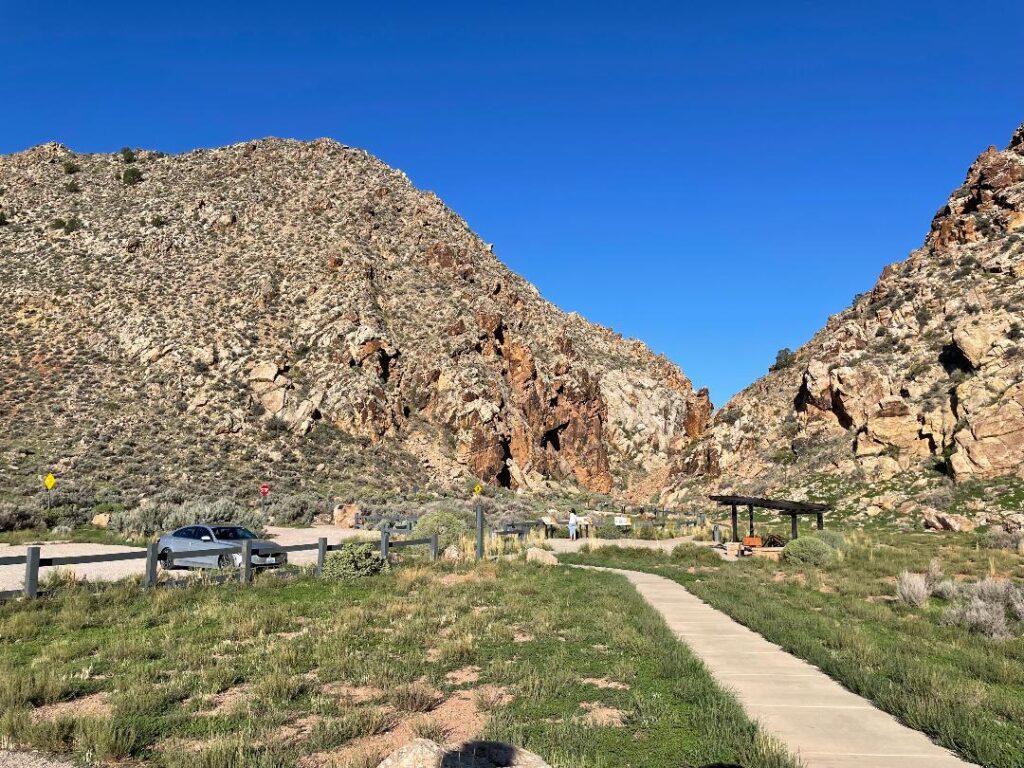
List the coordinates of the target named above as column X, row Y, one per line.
column 11, row 576
column 10, row 759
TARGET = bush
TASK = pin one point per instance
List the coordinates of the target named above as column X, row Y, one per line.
column 449, row 527
column 131, row 176
column 991, row 590
column 163, row 516
column 947, row 590
column 978, row 616
column 833, row 538
column 808, row 551
column 354, row 560
column 695, row 554
column 912, row 589
column 70, row 167
column 128, row 155
column 15, row 517
column 299, row 509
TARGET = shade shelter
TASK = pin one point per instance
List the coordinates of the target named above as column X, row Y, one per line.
column 784, row 507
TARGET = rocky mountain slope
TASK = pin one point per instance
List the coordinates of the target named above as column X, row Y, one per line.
column 919, row 382
column 297, row 313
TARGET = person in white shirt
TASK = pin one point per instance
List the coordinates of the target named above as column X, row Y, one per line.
column 573, row 520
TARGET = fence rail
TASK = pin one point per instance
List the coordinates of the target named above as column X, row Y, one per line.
column 33, row 561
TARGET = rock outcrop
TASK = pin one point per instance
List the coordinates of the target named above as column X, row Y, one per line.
column 298, row 312
column 921, row 377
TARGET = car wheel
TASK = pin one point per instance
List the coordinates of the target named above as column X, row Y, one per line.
column 164, row 561
column 225, row 561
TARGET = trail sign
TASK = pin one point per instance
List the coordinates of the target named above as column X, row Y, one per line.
column 264, row 490
column 478, row 489
column 49, row 481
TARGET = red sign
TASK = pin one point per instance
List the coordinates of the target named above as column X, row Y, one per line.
column 264, row 490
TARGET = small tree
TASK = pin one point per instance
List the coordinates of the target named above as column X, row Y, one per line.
column 783, row 359
column 131, row 176
column 128, row 155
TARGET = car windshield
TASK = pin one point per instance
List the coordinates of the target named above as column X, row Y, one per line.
column 232, row 533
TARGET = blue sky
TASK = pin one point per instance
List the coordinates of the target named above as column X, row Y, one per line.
column 715, row 179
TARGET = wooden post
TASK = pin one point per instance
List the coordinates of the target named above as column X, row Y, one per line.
column 821, row 521
column 32, row 572
column 750, row 509
column 792, row 527
column 433, row 546
column 479, row 531
column 385, row 540
column 246, row 561
column 321, row 555
column 735, row 524
column 152, row 557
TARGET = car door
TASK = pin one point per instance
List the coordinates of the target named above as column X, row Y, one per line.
column 204, row 540
column 181, row 544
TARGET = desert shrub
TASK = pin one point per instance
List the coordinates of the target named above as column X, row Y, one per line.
column 991, row 590
column 947, row 590
column 19, row 517
column 3, row 219
column 128, row 154
column 1015, row 602
column 72, row 187
column 833, row 538
column 448, row 525
column 70, row 167
column 296, row 509
column 999, row 538
column 912, row 589
column 131, row 176
column 162, row 516
column 978, row 616
column 934, row 574
column 808, row 551
column 354, row 560
column 607, row 529
column 645, row 534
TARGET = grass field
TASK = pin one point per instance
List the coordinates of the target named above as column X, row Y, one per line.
column 570, row 664
column 963, row 689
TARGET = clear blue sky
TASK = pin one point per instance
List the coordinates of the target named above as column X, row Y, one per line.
column 713, row 178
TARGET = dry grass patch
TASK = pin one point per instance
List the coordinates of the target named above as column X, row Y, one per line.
column 596, row 713
column 605, row 682
column 95, row 705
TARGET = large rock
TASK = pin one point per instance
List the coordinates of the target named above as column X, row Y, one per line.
column 419, row 753
column 937, row 520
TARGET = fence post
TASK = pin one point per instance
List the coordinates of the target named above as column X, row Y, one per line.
column 32, row 572
column 246, row 561
column 433, row 546
column 152, row 556
column 479, row 531
column 385, row 540
column 321, row 554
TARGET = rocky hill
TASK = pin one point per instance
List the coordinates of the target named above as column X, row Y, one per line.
column 916, row 391
column 300, row 314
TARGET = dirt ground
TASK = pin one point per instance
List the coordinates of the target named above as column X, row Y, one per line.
column 11, row 576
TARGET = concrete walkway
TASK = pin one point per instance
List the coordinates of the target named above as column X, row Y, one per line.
column 815, row 717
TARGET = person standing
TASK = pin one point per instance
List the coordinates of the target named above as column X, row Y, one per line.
column 573, row 522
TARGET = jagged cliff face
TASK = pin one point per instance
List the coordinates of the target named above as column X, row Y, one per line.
column 921, row 375
column 286, row 309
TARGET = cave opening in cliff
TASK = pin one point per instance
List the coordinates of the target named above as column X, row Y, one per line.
column 953, row 360
column 504, row 475
column 553, row 437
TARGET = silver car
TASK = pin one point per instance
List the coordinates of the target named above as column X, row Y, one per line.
column 201, row 538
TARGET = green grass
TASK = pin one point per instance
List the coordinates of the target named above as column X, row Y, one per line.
column 280, row 649
column 87, row 534
column 964, row 690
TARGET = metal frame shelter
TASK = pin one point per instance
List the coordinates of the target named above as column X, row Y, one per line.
column 784, row 507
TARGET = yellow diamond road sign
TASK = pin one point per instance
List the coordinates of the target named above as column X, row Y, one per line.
column 478, row 489
column 49, row 481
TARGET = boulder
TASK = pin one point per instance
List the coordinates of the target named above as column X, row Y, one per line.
column 937, row 520
column 418, row 753
column 542, row 556
column 345, row 515
column 101, row 521
column 452, row 554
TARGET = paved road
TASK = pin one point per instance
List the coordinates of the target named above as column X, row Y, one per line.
column 11, row 576
column 815, row 717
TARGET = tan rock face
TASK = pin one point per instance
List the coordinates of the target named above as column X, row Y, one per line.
column 302, row 301
column 926, row 370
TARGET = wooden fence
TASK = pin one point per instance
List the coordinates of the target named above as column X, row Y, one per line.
column 33, row 561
